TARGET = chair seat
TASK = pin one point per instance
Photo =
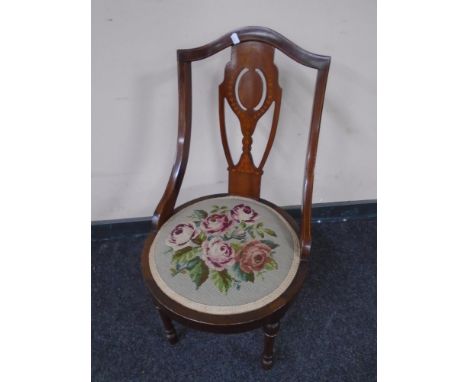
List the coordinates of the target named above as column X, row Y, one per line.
column 225, row 255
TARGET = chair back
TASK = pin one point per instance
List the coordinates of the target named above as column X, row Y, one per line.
column 250, row 87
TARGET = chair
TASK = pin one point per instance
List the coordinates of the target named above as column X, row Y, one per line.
column 233, row 262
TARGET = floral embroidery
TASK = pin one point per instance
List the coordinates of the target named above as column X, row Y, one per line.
column 227, row 246
column 181, row 235
column 244, row 213
column 215, row 223
column 217, row 254
column 253, row 256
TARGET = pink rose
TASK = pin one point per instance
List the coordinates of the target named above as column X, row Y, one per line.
column 181, row 235
column 217, row 254
column 216, row 223
column 244, row 213
column 253, row 256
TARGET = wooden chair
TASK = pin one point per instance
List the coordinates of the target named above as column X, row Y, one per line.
column 233, row 262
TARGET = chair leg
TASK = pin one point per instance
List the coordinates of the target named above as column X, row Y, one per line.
column 169, row 329
column 270, row 331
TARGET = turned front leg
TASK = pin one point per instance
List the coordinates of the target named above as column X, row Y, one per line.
column 270, row 332
column 169, row 329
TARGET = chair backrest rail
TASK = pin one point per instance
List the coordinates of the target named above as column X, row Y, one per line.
column 260, row 34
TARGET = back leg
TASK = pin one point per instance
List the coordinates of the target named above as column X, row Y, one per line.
column 270, row 331
column 169, row 329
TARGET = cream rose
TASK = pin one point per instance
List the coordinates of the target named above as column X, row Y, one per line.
column 216, row 223
column 243, row 213
column 181, row 235
column 217, row 254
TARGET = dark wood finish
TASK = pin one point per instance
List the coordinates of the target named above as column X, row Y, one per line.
column 243, row 88
column 270, row 331
column 255, row 51
column 169, row 329
column 165, row 207
column 307, row 190
column 260, row 34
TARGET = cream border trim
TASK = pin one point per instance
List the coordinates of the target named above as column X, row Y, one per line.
column 224, row 310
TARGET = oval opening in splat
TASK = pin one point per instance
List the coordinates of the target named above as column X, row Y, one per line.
column 250, row 89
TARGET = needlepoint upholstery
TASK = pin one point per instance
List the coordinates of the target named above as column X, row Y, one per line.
column 225, row 255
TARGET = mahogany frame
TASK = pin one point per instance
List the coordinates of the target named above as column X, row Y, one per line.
column 268, row 316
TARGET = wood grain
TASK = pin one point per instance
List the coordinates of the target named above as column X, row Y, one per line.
column 247, row 60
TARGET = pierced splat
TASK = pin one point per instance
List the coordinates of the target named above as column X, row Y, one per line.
column 250, row 87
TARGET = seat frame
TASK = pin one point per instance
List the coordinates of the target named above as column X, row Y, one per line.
column 244, row 177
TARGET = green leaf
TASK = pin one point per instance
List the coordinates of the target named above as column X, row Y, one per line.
column 200, row 214
column 269, row 232
column 236, row 246
column 270, row 243
column 249, row 229
column 259, row 230
column 271, row 264
column 192, row 263
column 222, row 280
column 198, row 271
column 184, row 255
column 244, row 276
column 200, row 238
column 238, row 235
